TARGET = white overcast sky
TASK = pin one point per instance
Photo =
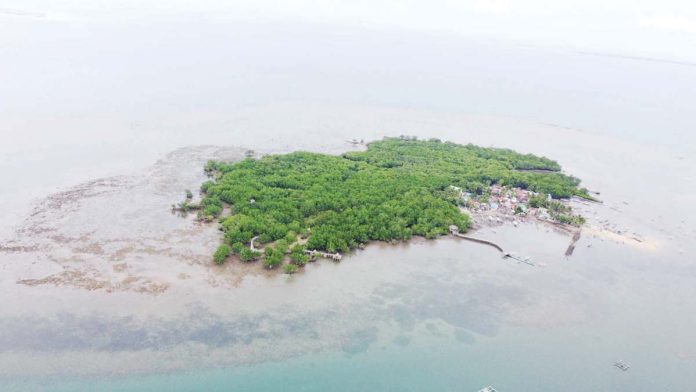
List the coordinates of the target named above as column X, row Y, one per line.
column 659, row 28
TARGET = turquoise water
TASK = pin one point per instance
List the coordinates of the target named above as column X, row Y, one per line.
column 513, row 363
column 438, row 367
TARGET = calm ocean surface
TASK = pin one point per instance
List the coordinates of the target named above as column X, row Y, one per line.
column 428, row 316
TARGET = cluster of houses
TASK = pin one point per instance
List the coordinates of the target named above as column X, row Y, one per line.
column 503, row 203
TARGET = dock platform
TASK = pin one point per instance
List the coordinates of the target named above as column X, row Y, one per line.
column 621, row 365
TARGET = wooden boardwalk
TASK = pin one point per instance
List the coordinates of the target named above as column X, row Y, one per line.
column 455, row 232
column 251, row 244
column 333, row 256
column 480, row 241
column 571, row 247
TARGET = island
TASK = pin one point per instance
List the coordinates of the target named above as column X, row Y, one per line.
column 286, row 209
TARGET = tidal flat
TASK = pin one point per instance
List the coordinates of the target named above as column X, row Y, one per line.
column 104, row 288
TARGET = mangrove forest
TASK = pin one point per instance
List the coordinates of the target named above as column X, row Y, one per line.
column 395, row 189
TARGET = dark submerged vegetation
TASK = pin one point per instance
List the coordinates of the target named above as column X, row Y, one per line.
column 396, row 189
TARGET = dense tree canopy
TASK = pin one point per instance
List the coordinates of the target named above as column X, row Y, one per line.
column 396, row 189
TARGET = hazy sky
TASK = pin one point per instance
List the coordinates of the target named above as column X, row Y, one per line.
column 660, row 28
column 85, row 83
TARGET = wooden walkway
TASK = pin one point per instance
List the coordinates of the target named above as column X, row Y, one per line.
column 480, row 241
column 332, row 256
column 571, row 247
column 455, row 232
column 251, row 244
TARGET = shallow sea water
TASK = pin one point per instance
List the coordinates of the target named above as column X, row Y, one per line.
column 103, row 288
column 431, row 315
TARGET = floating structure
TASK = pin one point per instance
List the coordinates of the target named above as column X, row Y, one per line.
column 515, row 257
column 621, row 365
column 488, row 389
column 333, row 256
